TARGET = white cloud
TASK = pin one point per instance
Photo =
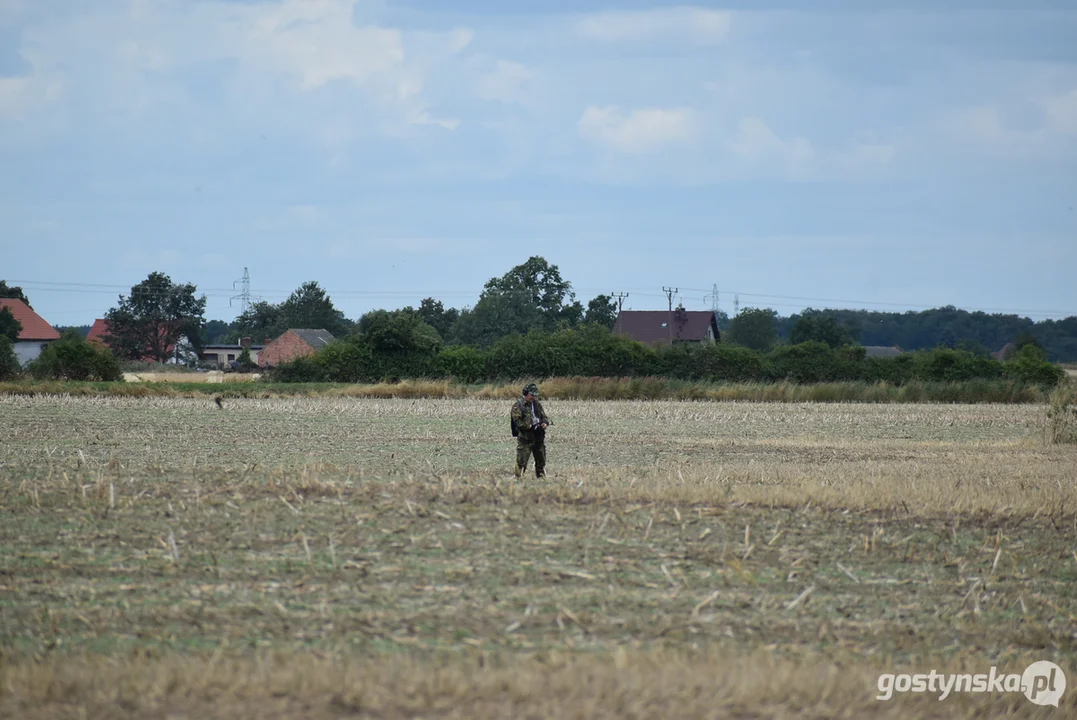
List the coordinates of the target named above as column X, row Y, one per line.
column 640, row 131
column 1061, row 113
column 507, row 82
column 679, row 24
column 761, row 147
column 316, row 40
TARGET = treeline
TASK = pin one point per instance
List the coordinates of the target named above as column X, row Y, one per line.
column 396, row 347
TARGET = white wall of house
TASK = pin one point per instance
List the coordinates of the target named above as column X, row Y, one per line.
column 28, row 350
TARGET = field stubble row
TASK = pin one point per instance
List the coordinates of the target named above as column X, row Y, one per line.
column 779, row 555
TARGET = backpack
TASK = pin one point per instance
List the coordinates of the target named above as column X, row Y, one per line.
column 512, row 422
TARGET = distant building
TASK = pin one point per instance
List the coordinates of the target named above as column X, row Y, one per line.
column 882, row 351
column 223, row 355
column 657, row 326
column 36, row 333
column 292, row 344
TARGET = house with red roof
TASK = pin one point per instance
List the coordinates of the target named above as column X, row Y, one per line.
column 654, row 327
column 36, row 333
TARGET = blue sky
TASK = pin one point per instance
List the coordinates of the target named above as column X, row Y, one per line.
column 913, row 155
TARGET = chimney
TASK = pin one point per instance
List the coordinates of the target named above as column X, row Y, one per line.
column 245, row 342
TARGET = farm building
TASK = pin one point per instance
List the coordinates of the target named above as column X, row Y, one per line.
column 293, row 343
column 223, row 355
column 654, row 326
column 36, row 333
column 882, row 351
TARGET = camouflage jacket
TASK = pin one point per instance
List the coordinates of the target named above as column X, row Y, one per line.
column 524, row 419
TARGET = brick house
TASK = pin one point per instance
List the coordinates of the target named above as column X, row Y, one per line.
column 35, row 333
column 292, row 344
column 654, row 326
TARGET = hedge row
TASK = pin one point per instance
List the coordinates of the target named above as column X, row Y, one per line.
column 595, row 352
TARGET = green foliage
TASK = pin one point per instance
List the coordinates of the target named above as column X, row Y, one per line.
column 261, row 322
column 531, row 296
column 602, row 310
column 11, row 291
column 1029, row 364
column 156, row 315
column 755, row 328
column 821, row 328
column 307, row 307
column 461, row 362
column 72, row 358
column 434, row 314
column 246, row 363
column 9, row 326
column 808, row 362
column 9, row 361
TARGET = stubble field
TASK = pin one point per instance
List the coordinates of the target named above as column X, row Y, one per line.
column 375, row 558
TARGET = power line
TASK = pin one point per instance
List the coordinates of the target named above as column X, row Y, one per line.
column 227, row 293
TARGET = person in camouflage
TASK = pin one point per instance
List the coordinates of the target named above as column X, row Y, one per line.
column 530, row 422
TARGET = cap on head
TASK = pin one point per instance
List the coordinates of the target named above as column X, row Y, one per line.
column 531, row 389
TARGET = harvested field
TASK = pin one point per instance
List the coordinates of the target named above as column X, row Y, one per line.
column 339, row 557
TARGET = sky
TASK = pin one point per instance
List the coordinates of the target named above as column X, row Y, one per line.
column 789, row 154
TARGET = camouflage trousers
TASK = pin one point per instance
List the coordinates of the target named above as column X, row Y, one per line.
column 524, row 450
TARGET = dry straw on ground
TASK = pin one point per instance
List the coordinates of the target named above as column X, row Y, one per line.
column 166, row 557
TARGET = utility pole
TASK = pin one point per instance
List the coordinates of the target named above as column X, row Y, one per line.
column 620, row 299
column 669, row 295
column 245, row 294
column 736, row 305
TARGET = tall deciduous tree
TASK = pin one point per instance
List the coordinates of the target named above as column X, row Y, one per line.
column 307, row 307
column 310, row 307
column 531, row 296
column 156, row 315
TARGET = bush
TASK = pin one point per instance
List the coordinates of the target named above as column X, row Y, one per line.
column 72, row 358
column 1029, row 364
column 9, row 362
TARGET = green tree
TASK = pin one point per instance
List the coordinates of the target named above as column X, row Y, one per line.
column 495, row 317
column 601, row 310
column 9, row 326
column 755, row 328
column 216, row 331
column 10, row 291
column 539, row 284
column 9, row 361
column 821, row 328
column 310, row 307
column 72, row 358
column 156, row 315
column 261, row 322
column 436, row 316
column 307, row 307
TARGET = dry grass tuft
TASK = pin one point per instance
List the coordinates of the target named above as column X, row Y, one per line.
column 1061, row 426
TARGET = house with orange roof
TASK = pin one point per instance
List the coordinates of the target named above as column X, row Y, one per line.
column 36, row 333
